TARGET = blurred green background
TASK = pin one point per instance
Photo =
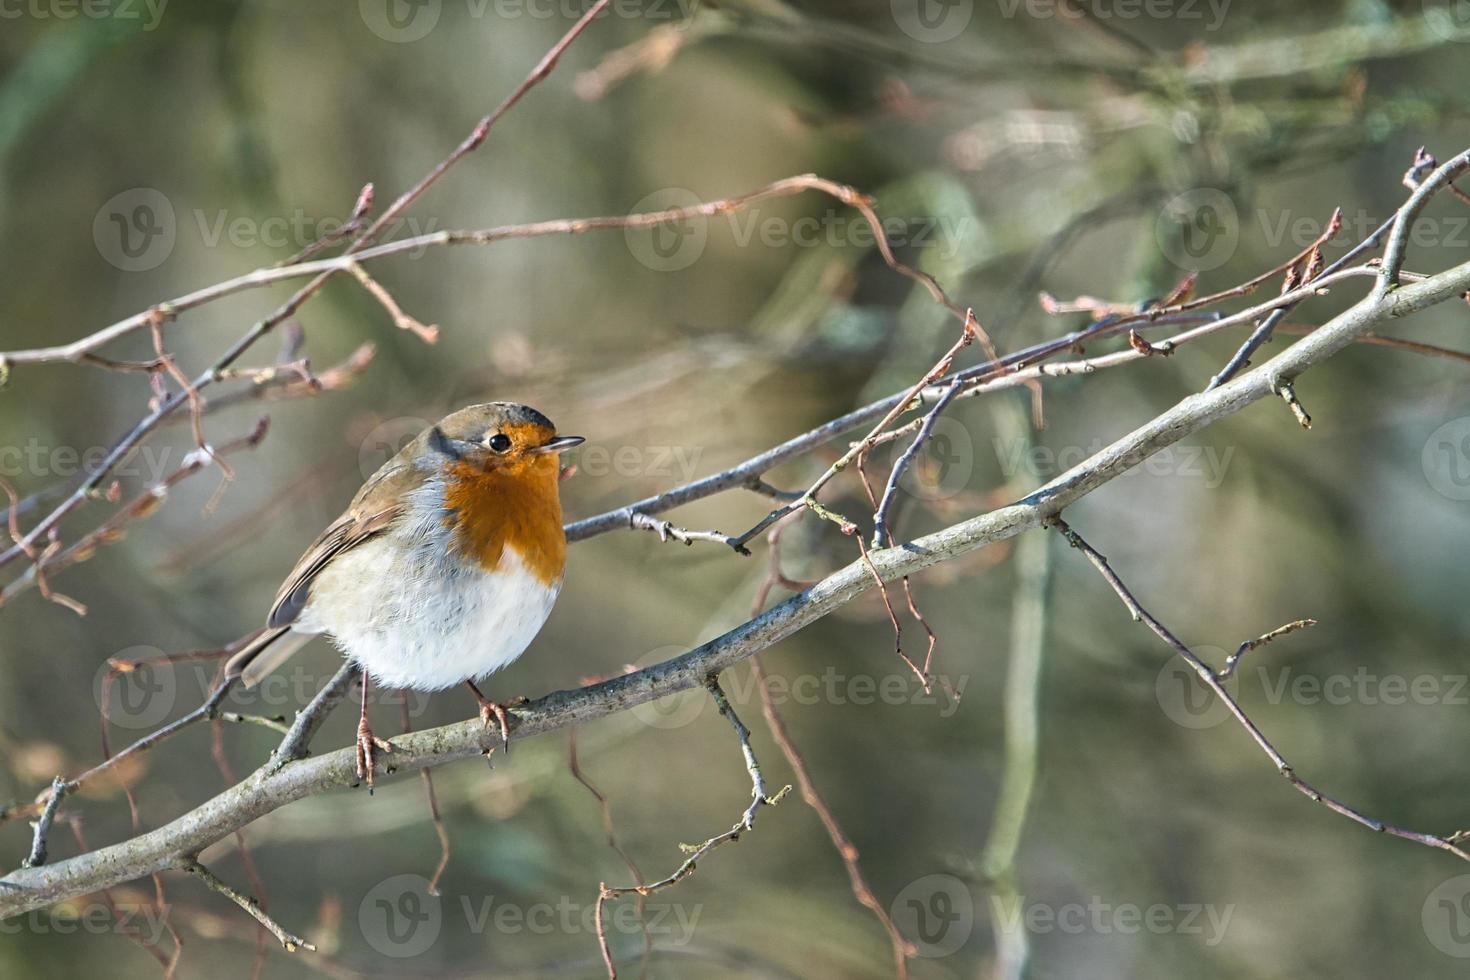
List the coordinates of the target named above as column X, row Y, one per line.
column 1015, row 148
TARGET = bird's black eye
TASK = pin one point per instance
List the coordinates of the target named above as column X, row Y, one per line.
column 500, row 442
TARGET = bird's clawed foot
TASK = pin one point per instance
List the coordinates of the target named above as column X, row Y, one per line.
column 496, row 713
column 368, row 745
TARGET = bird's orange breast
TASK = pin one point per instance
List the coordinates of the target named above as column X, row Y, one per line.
column 516, row 506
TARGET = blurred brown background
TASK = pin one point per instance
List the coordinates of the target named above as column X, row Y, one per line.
column 145, row 152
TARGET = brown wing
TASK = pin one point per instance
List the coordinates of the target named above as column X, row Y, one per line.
column 377, row 505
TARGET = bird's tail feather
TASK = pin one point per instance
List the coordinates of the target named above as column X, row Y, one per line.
column 263, row 653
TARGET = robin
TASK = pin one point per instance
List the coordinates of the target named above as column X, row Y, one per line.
column 442, row 569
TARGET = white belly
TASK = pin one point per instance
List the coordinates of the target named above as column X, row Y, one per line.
column 426, row 622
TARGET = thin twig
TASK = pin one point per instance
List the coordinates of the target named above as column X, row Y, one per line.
column 426, row 776
column 289, row 940
column 882, row 536
column 482, row 129
column 428, row 333
column 276, row 724
column 1397, row 247
column 1228, row 671
column 115, row 526
column 1288, row 395
column 1217, row 687
column 808, row 500
column 191, row 393
column 1307, row 258
column 64, row 787
column 1399, row 224
column 759, row 797
column 604, row 806
column 350, row 227
column 309, row 719
column 846, row 850
column 666, row 530
column 204, row 712
column 42, row 827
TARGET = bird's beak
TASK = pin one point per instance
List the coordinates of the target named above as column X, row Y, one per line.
column 560, row 444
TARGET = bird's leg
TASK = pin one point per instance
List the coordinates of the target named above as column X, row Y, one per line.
column 367, row 742
column 493, row 711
